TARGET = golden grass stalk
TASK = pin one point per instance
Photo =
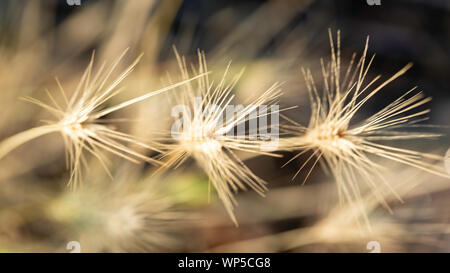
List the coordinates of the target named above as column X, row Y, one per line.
column 347, row 149
column 82, row 119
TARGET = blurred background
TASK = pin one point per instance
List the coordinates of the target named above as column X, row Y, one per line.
column 272, row 39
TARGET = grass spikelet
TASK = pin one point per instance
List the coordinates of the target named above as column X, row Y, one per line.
column 82, row 119
column 212, row 142
column 348, row 149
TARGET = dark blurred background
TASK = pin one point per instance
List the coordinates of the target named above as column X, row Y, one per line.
column 401, row 31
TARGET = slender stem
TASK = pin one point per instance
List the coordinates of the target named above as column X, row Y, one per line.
column 16, row 140
column 282, row 241
column 144, row 97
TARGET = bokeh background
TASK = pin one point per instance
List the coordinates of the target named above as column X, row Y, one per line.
column 272, row 39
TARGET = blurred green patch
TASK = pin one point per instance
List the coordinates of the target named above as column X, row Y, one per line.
column 191, row 189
